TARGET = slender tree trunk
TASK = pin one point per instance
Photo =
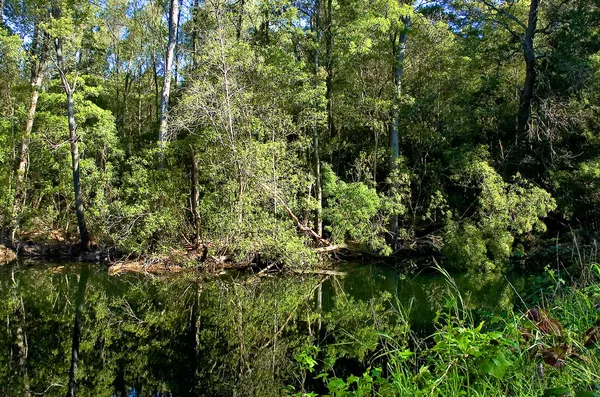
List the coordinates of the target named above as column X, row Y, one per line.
column 118, row 112
column 139, row 112
column 526, row 99
column 266, row 26
column 195, row 198
column 156, row 88
column 73, row 138
column 176, row 58
column 79, row 209
column 39, row 48
column 329, row 67
column 240, row 19
column 169, row 60
column 1, row 16
column 400, row 53
column 196, row 24
column 76, row 341
column 315, row 137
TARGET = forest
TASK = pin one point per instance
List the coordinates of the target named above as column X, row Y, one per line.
column 359, row 198
column 467, row 129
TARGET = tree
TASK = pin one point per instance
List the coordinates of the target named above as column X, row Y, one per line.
column 398, row 37
column 38, row 54
column 526, row 35
column 169, row 61
column 317, row 31
column 59, row 23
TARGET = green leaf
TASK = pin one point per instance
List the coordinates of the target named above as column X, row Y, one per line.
column 495, row 366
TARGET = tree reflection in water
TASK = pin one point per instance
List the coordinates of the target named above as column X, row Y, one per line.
column 75, row 331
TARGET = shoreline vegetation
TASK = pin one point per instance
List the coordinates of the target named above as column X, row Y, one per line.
column 411, row 259
column 266, row 132
column 546, row 349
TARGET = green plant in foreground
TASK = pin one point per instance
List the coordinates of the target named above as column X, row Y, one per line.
column 544, row 352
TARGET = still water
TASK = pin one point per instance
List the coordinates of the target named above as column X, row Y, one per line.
column 74, row 328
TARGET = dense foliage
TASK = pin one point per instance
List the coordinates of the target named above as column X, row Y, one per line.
column 469, row 126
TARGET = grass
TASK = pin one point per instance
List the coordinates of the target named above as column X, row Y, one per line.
column 545, row 351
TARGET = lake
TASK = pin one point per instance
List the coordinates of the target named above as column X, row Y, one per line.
column 228, row 335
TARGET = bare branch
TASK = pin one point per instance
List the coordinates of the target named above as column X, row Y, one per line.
column 505, row 13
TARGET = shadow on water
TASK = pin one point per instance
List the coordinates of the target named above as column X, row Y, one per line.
column 80, row 332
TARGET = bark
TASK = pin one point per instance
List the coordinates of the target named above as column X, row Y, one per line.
column 156, row 87
column 83, row 278
column 266, row 27
column 1, row 16
column 39, row 49
column 140, row 79
column 526, row 98
column 169, row 60
column 196, row 10
column 329, row 68
column 176, row 58
column 240, row 20
column 73, row 138
column 318, row 185
column 399, row 55
column 315, row 137
column 195, row 199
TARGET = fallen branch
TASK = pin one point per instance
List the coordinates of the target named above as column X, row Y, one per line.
column 330, row 248
column 323, row 272
column 305, row 229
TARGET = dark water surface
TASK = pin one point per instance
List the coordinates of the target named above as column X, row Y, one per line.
column 184, row 335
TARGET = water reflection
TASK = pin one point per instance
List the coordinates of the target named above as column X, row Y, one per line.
column 80, row 332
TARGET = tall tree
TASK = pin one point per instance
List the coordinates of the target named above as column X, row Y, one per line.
column 169, row 60
column 37, row 56
column 329, row 67
column 317, row 30
column 195, row 28
column 399, row 38
column 526, row 35
column 73, row 137
column 530, row 67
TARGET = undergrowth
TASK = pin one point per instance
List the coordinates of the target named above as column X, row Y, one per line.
column 550, row 350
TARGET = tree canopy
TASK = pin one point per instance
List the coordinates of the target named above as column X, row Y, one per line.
column 268, row 127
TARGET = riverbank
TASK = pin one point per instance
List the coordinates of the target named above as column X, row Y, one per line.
column 213, row 258
column 526, row 350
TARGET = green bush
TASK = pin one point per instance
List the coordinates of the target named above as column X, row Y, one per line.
column 482, row 237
